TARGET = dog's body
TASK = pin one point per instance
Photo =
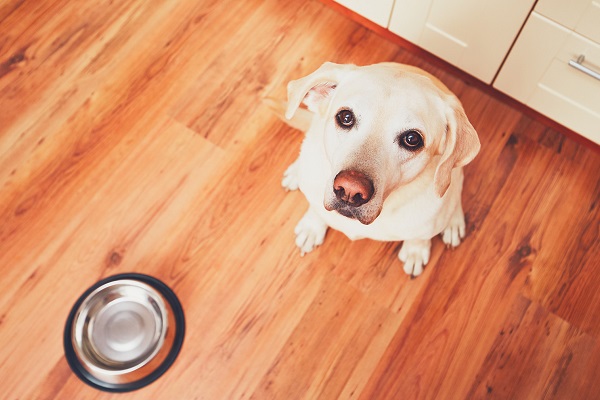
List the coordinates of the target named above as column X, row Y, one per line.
column 382, row 157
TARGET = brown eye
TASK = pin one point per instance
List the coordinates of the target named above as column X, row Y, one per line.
column 345, row 119
column 411, row 140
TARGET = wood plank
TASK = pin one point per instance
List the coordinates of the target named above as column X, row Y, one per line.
column 517, row 366
column 331, row 355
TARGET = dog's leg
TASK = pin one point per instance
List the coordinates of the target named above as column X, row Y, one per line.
column 455, row 230
column 290, row 177
column 415, row 255
column 310, row 232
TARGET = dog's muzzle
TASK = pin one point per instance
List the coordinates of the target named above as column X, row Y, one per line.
column 352, row 190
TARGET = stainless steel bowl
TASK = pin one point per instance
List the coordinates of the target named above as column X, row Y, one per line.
column 124, row 332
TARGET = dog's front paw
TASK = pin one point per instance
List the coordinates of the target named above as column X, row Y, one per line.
column 415, row 255
column 290, row 177
column 455, row 231
column 310, row 232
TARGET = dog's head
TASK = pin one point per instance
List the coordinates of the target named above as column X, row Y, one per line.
column 382, row 126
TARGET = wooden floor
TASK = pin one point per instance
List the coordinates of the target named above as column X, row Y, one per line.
column 134, row 137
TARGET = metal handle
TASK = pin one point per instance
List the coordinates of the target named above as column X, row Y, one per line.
column 578, row 64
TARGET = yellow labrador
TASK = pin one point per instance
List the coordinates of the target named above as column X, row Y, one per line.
column 382, row 157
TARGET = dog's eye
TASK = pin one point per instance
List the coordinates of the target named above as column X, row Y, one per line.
column 345, row 119
column 411, row 140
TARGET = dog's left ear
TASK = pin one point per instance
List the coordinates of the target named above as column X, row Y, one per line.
column 459, row 148
column 316, row 87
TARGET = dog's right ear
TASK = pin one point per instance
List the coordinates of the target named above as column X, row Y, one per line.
column 316, row 87
column 460, row 147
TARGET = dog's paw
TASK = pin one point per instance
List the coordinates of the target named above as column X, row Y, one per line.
column 455, row 231
column 310, row 232
column 415, row 255
column 290, row 177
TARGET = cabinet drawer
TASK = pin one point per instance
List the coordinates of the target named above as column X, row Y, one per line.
column 378, row 11
column 582, row 16
column 537, row 73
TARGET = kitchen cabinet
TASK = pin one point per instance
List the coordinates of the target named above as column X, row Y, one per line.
column 554, row 66
column 377, row 11
column 473, row 35
column 581, row 16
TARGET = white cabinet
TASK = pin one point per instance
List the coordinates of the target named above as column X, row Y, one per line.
column 377, row 11
column 473, row 35
column 538, row 73
column 581, row 16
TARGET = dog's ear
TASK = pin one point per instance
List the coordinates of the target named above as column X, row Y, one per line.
column 316, row 87
column 459, row 148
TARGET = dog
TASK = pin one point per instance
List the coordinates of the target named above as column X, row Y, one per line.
column 382, row 157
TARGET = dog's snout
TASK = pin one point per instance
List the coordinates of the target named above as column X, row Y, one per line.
column 353, row 188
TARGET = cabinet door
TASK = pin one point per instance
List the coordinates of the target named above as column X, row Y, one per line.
column 582, row 16
column 540, row 72
column 473, row 35
column 378, row 11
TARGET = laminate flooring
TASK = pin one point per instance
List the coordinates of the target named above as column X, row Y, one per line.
column 134, row 137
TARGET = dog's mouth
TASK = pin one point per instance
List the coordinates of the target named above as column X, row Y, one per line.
column 364, row 215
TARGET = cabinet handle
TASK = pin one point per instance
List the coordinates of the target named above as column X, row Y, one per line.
column 578, row 64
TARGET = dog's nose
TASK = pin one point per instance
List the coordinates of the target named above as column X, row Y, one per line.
column 353, row 188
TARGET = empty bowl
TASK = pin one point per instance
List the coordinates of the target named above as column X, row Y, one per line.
column 124, row 332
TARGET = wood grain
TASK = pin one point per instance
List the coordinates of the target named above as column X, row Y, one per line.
column 134, row 138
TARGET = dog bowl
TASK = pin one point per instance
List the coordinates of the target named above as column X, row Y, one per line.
column 124, row 332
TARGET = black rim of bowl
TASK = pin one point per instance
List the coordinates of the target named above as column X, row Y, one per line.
column 96, row 383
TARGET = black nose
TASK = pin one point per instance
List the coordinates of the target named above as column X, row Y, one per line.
column 353, row 188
